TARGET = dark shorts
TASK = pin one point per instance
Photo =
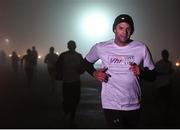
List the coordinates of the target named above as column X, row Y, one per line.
column 122, row 119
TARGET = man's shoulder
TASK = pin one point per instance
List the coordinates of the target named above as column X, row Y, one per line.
column 64, row 53
column 52, row 55
column 47, row 55
column 78, row 53
column 138, row 43
column 55, row 55
column 105, row 43
column 163, row 62
column 159, row 62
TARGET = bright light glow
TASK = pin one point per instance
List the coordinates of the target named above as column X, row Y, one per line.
column 95, row 24
column 10, row 55
column 7, row 40
column 39, row 57
column 177, row 64
column 57, row 53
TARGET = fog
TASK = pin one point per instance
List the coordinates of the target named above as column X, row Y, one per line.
column 46, row 23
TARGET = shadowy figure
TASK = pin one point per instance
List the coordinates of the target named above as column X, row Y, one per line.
column 163, row 81
column 69, row 69
column 124, row 63
column 27, row 62
column 35, row 58
column 50, row 60
column 2, row 58
column 164, row 87
column 15, row 61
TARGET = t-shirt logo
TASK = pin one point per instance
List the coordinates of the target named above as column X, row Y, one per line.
column 120, row 60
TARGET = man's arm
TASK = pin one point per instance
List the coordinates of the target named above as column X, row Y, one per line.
column 143, row 73
column 45, row 59
column 22, row 61
column 147, row 74
column 99, row 75
column 59, row 68
column 88, row 66
column 81, row 69
column 148, row 71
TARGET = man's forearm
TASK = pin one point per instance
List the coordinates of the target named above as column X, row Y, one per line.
column 149, row 75
column 88, row 66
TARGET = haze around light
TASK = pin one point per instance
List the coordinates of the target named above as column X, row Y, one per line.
column 46, row 23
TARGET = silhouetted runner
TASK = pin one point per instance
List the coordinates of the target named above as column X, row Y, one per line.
column 28, row 65
column 50, row 60
column 69, row 69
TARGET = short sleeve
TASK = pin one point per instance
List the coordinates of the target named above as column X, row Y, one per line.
column 148, row 61
column 92, row 56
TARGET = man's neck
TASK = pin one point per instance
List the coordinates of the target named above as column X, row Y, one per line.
column 72, row 51
column 121, row 44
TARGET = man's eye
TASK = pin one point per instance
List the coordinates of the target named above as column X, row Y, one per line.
column 120, row 28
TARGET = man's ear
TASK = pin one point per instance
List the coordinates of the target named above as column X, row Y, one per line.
column 114, row 30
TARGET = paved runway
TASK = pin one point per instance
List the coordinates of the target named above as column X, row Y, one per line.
column 40, row 107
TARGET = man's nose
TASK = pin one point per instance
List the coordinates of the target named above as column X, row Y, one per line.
column 125, row 32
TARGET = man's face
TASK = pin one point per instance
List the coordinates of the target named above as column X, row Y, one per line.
column 71, row 46
column 122, row 32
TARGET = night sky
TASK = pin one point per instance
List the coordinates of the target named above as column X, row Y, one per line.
column 45, row 23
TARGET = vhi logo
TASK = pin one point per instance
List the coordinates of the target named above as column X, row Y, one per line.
column 121, row 59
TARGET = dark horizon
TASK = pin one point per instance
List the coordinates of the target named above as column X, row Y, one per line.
column 38, row 107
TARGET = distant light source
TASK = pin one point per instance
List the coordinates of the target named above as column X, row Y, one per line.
column 10, row 55
column 57, row 53
column 95, row 24
column 19, row 55
column 177, row 64
column 7, row 40
column 39, row 57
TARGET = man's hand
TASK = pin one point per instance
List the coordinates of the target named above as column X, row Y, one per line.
column 135, row 69
column 101, row 75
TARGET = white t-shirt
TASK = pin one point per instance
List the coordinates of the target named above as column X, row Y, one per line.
column 122, row 91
